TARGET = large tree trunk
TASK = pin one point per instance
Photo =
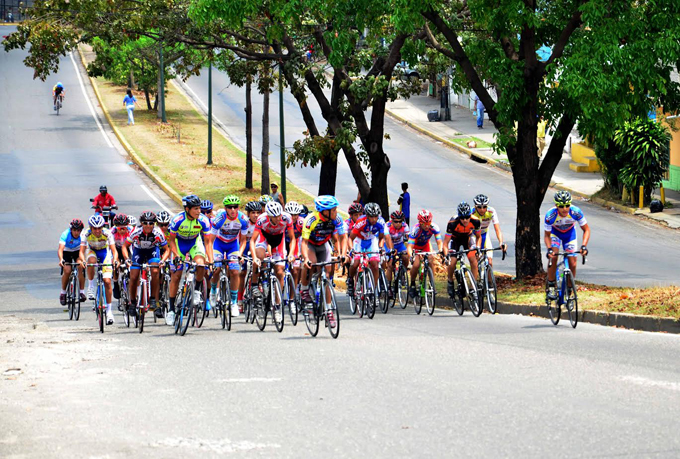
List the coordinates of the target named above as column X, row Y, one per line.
column 249, row 135
column 265, row 143
column 148, row 99
column 328, row 175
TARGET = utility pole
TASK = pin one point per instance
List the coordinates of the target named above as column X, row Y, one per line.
column 282, row 139
column 210, row 113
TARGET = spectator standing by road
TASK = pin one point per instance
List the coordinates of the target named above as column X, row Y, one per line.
column 129, row 102
column 480, row 112
column 540, row 134
column 276, row 196
column 404, row 202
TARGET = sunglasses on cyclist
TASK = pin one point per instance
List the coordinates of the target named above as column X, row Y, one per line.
column 481, row 207
column 563, row 206
column 163, row 225
column 147, row 223
column 231, row 207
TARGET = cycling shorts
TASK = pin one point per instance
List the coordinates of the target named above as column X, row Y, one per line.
column 422, row 248
column 466, row 241
column 323, row 252
column 103, row 256
column 193, row 248
column 367, row 245
column 567, row 240
column 227, row 250
column 401, row 247
column 486, row 244
column 278, row 251
column 140, row 256
column 71, row 257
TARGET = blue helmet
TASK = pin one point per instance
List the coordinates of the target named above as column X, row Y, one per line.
column 206, row 206
column 59, row 85
column 326, row 202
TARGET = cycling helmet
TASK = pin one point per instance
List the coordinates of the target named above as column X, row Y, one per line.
column 293, row 208
column 206, row 206
column 464, row 209
column 397, row 216
column 425, row 216
column 120, row 220
column 133, row 221
column 273, row 209
column 305, row 211
column 562, row 198
column 326, row 202
column 372, row 209
column 355, row 208
column 59, row 85
column 231, row 200
column 163, row 217
column 191, row 201
column 103, row 188
column 253, row 206
column 481, row 200
column 96, row 221
column 265, row 198
column 147, row 217
column 77, row 224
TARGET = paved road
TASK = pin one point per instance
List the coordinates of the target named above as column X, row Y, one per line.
column 399, row 385
column 624, row 250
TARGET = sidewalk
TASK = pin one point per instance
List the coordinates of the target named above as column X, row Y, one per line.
column 463, row 127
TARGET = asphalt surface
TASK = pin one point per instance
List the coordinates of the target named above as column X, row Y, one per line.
column 400, row 385
column 624, row 251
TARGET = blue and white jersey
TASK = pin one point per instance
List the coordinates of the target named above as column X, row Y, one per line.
column 553, row 221
column 70, row 243
column 228, row 230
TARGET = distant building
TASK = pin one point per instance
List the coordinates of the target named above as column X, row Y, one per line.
column 11, row 10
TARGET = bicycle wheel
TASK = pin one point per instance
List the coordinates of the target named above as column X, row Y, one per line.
column 490, row 290
column 222, row 306
column 402, row 286
column 101, row 309
column 381, row 294
column 417, row 300
column 369, row 298
column 187, row 308
column 354, row 304
column 571, row 299
column 430, row 293
column 471, row 292
column 76, row 296
column 199, row 310
column 554, row 309
column 143, row 304
column 71, row 293
column 331, row 308
column 310, row 313
column 261, row 312
column 290, row 297
column 276, row 304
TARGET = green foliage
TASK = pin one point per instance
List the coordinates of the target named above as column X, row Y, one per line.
column 611, row 162
column 644, row 152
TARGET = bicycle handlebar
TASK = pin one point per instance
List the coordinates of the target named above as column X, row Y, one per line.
column 568, row 254
column 332, row 262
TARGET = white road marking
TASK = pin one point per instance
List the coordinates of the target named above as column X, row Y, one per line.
column 148, row 191
column 639, row 380
column 89, row 104
column 242, row 380
column 224, row 446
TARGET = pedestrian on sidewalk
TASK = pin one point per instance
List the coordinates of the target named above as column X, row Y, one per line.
column 404, row 202
column 540, row 134
column 129, row 102
column 276, row 196
column 480, row 112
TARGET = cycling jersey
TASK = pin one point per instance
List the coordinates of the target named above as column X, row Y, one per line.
column 398, row 236
column 121, row 236
column 70, row 243
column 420, row 238
column 555, row 223
column 189, row 230
column 56, row 90
column 318, row 231
column 226, row 229
column 265, row 226
column 103, row 201
column 348, row 225
column 88, row 239
column 457, row 229
column 486, row 219
column 141, row 240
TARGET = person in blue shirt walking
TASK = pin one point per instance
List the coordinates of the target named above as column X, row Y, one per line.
column 404, row 202
column 129, row 102
column 480, row 112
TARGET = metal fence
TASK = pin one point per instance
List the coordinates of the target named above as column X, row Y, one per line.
column 12, row 10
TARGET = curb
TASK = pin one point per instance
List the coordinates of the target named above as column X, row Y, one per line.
column 128, row 148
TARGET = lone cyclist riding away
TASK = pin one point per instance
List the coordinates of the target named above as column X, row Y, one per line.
column 58, row 91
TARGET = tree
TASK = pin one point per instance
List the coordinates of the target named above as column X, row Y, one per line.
column 604, row 56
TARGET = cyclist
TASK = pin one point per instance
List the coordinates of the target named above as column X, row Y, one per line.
column 462, row 230
column 560, row 229
column 228, row 239
column 487, row 216
column 398, row 230
column 69, row 252
column 133, row 222
column 355, row 211
column 146, row 241
column 101, row 248
column 294, row 209
column 419, row 241
column 319, row 228
column 58, row 91
column 270, row 231
column 121, row 229
column 253, row 211
column 207, row 208
column 162, row 221
column 368, row 235
column 183, row 239
column 264, row 199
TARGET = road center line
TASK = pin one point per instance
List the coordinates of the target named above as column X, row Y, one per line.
column 148, row 191
column 244, row 380
column 89, row 104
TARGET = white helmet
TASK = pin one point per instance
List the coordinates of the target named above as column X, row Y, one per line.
column 133, row 221
column 96, row 221
column 273, row 209
column 293, row 208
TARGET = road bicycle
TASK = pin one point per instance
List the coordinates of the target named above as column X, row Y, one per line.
column 222, row 306
column 124, row 304
column 291, row 296
column 488, row 281
column 269, row 286
column 566, row 289
column 248, row 310
column 383, row 290
column 399, row 284
column 425, row 289
column 100, row 294
column 465, row 286
column 59, row 103
column 201, row 310
column 324, row 306
column 72, row 292
column 164, row 292
column 143, row 293
column 185, row 297
column 365, row 298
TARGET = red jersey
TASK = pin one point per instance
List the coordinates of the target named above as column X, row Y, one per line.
column 103, row 201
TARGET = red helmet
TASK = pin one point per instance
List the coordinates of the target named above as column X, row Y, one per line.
column 77, row 224
column 121, row 220
column 355, row 208
column 425, row 216
column 397, row 215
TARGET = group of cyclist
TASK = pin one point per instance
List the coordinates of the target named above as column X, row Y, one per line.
column 221, row 239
